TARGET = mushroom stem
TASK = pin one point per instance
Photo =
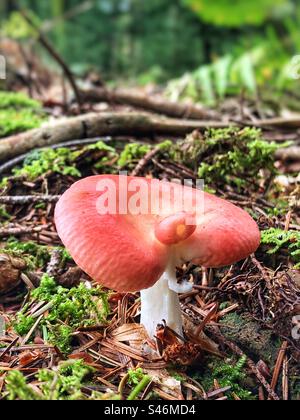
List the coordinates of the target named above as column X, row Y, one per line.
column 161, row 302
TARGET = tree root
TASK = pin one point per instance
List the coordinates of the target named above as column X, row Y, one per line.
column 94, row 125
column 117, row 124
column 153, row 104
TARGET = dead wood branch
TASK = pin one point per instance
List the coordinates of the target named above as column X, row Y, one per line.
column 175, row 109
column 107, row 124
column 278, row 366
column 28, row 199
column 93, row 125
column 18, row 231
column 289, row 154
column 279, row 122
column 148, row 103
column 143, row 162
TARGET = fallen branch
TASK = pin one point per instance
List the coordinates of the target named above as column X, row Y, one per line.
column 111, row 124
column 28, row 199
column 279, row 122
column 143, row 162
column 278, row 366
column 148, row 103
column 17, row 231
column 94, row 125
column 289, row 154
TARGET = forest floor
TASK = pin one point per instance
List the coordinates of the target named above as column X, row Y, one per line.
column 63, row 337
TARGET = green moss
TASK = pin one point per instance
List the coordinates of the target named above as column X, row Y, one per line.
column 228, row 373
column 101, row 146
column 16, row 121
column 69, row 309
column 58, row 385
column 18, row 113
column 248, row 334
column 235, row 157
column 104, row 162
column 39, row 162
column 23, row 324
column 280, row 206
column 135, row 376
column 230, row 156
column 279, row 239
column 131, row 154
column 17, row 101
column 17, row 388
column 35, row 255
column 134, row 152
column 64, row 161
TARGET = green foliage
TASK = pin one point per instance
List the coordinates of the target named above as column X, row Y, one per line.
column 24, row 324
column 63, row 161
column 18, row 113
column 227, row 13
column 280, row 239
column 16, row 27
column 17, row 100
column 16, row 121
column 140, row 380
column 233, row 375
column 153, row 75
column 267, row 64
column 35, row 255
column 213, row 82
column 234, row 156
column 68, row 381
column 230, row 156
column 101, row 146
column 135, row 376
column 69, row 310
column 227, row 374
column 104, row 162
column 17, row 388
column 148, row 41
column 48, row 160
column 63, row 384
column 3, row 182
column 132, row 153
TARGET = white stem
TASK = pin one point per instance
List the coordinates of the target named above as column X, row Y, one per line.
column 161, row 303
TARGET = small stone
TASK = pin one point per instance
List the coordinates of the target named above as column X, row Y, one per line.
column 10, row 270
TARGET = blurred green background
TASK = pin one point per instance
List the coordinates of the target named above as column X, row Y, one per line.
column 221, row 45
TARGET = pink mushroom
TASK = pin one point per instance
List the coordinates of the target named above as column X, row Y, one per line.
column 127, row 251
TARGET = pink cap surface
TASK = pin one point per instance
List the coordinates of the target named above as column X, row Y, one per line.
column 129, row 252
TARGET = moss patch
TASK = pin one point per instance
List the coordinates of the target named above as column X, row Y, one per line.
column 18, row 113
column 250, row 336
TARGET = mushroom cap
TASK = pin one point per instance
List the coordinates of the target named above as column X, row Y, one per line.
column 130, row 252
